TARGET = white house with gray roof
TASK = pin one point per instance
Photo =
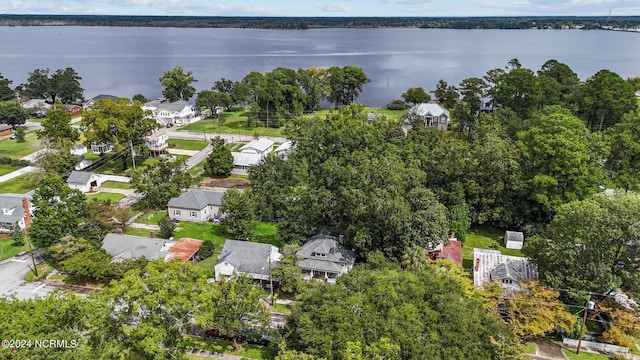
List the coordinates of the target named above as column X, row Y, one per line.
column 178, row 113
column 244, row 257
column 491, row 265
column 252, row 153
column 195, row 205
column 15, row 211
column 84, row 180
column 324, row 257
column 432, row 114
column 124, row 247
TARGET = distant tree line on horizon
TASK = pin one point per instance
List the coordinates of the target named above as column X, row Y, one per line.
column 526, row 22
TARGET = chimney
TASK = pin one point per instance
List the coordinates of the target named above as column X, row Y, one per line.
column 27, row 213
column 152, row 234
column 119, row 231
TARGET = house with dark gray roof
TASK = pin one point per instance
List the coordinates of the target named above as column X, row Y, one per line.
column 195, row 205
column 244, row 257
column 15, row 212
column 124, row 247
column 324, row 257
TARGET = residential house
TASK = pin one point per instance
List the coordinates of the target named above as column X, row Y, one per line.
column 74, row 110
column 256, row 260
column 158, row 142
column 78, row 149
column 178, row 113
column 125, row 247
column 431, row 114
column 252, row 153
column 195, row 205
column 487, row 104
column 284, row 149
column 491, row 265
column 513, row 239
column 15, row 212
column 101, row 148
column 84, row 180
column 452, row 250
column 37, row 107
column 324, row 257
column 5, row 130
column 89, row 103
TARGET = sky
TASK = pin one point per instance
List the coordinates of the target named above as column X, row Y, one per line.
column 382, row 8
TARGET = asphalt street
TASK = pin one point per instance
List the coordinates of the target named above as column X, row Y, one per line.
column 12, row 272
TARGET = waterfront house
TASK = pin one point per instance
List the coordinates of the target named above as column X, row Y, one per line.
column 431, row 114
column 178, row 113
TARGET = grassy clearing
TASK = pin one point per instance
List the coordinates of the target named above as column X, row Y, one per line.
column 106, row 196
column 152, row 217
column 18, row 185
column 235, row 123
column 209, row 264
column 226, row 347
column 571, row 354
column 530, row 348
column 184, row 144
column 16, row 150
column 266, row 233
column 485, row 237
column 5, row 169
column 116, row 185
column 282, row 308
column 7, row 250
column 141, row 232
column 114, row 167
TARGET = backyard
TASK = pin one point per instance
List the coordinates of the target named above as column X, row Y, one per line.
column 16, row 150
column 18, row 185
column 184, row 144
column 7, row 249
column 484, row 237
column 5, row 169
column 105, row 196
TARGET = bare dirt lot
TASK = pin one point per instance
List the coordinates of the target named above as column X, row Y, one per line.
column 225, row 183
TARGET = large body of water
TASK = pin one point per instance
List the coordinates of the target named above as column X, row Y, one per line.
column 128, row 61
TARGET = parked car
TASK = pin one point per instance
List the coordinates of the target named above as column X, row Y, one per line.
column 13, row 137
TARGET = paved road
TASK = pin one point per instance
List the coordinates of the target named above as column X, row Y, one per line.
column 198, row 157
column 12, row 272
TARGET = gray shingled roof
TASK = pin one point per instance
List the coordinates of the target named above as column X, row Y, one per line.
column 246, row 256
column 513, row 236
column 122, row 247
column 174, row 106
column 79, row 177
column 336, row 255
column 260, row 145
column 196, row 199
column 12, row 202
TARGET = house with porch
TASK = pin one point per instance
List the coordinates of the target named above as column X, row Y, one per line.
column 324, row 257
column 251, row 154
column 256, row 260
column 195, row 205
column 431, row 114
column 15, row 212
column 491, row 265
column 178, row 113
column 128, row 247
column 158, row 142
column 451, row 250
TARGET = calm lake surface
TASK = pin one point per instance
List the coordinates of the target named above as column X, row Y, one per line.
column 128, row 61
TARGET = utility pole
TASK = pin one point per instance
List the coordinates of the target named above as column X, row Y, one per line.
column 133, row 155
column 33, row 260
column 270, row 279
column 588, row 306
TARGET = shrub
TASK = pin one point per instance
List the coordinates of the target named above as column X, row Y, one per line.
column 397, row 105
column 167, row 228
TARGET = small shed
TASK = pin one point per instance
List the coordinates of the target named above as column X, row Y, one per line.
column 513, row 239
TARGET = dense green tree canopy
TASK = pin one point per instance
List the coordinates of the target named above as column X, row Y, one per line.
column 239, row 213
column 624, row 145
column 6, row 93
column 63, row 85
column 11, row 113
column 219, row 162
column 177, row 84
column 590, row 245
column 421, row 315
column 57, row 130
column 604, row 98
column 162, row 181
column 415, row 96
column 345, row 84
column 122, row 124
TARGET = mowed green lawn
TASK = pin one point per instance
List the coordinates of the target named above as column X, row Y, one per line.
column 114, row 167
column 18, row 185
column 484, row 237
column 226, row 347
column 16, row 150
column 7, row 250
column 5, row 169
column 116, row 185
column 106, row 196
column 235, row 123
column 184, row 144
